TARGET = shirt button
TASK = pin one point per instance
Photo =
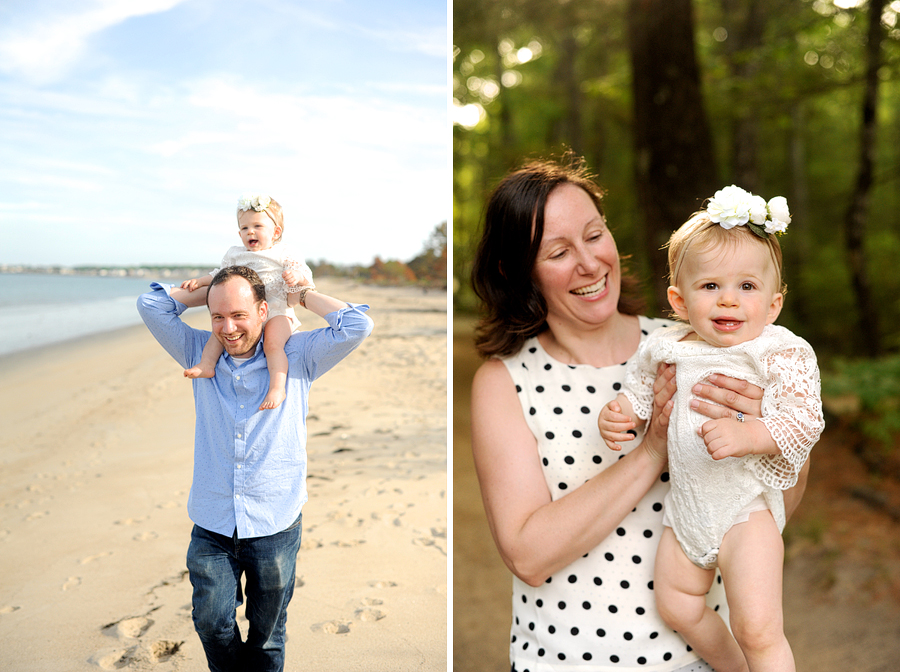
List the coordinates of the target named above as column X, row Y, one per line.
column 237, row 377
column 240, row 465
column 239, row 436
column 237, row 496
column 242, row 405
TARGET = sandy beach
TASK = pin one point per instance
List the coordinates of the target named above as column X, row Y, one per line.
column 96, row 467
column 842, row 559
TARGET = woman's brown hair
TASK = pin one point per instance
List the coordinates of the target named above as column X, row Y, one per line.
column 514, row 309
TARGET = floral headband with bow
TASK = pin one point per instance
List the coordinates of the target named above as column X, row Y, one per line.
column 733, row 206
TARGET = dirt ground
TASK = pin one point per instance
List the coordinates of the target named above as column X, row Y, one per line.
column 842, row 567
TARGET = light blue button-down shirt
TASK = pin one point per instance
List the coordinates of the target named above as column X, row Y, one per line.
column 250, row 465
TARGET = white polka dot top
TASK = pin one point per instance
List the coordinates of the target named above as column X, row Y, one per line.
column 598, row 613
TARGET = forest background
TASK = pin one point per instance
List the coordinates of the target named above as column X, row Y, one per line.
column 669, row 101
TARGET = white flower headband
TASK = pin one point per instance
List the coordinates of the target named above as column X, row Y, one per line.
column 733, row 206
column 258, row 202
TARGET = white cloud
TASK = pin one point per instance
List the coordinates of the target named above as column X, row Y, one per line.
column 42, row 48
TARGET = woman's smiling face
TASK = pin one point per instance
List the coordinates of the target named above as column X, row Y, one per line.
column 577, row 267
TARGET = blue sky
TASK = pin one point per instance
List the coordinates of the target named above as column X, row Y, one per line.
column 129, row 128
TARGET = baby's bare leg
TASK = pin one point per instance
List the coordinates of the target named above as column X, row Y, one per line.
column 751, row 559
column 208, row 360
column 680, row 587
column 278, row 331
column 188, row 298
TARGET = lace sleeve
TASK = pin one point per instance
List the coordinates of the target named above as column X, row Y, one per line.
column 792, row 412
column 303, row 270
column 639, row 378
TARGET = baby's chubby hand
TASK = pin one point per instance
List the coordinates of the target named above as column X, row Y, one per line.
column 190, row 285
column 614, row 425
column 292, row 279
column 727, row 437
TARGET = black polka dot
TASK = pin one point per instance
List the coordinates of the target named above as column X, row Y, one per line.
column 518, row 388
column 642, row 661
column 665, row 477
column 585, row 410
column 609, row 556
column 625, row 584
column 585, row 605
column 561, row 656
column 524, row 599
column 532, row 350
column 636, row 559
column 628, row 636
column 532, row 410
column 572, row 578
column 650, row 585
column 539, row 603
column 561, row 605
column 525, row 646
column 617, row 386
column 614, row 659
column 541, row 653
column 531, row 626
column 574, row 632
column 597, row 459
column 667, row 656
column 557, row 410
column 539, row 388
column 620, row 531
column 648, row 534
column 598, row 581
column 576, row 434
column 657, row 507
column 654, row 635
column 613, row 609
column 587, row 656
column 563, row 486
column 601, row 632
column 591, row 389
column 545, row 461
column 640, row 611
column 549, row 435
column 566, row 388
column 547, row 367
column 569, row 459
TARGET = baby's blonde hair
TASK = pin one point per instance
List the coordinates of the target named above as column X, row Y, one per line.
column 275, row 213
column 700, row 234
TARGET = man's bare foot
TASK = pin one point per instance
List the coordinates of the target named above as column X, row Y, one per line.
column 273, row 400
column 200, row 372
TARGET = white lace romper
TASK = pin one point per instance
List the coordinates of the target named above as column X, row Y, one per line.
column 708, row 495
column 269, row 265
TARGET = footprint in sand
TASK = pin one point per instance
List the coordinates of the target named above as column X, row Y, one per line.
column 369, row 615
column 145, row 536
column 331, row 627
column 9, row 609
column 73, row 582
column 129, row 628
column 91, row 558
column 36, row 516
column 382, row 584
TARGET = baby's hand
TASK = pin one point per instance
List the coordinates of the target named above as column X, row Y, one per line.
column 292, row 279
column 614, row 425
column 190, row 285
column 727, row 437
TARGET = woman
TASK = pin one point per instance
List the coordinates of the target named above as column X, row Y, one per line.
column 576, row 523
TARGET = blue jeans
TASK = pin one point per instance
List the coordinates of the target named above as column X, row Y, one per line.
column 215, row 563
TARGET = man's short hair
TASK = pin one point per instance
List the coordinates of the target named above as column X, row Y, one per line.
column 248, row 274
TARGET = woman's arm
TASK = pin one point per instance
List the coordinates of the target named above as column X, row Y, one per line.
column 535, row 535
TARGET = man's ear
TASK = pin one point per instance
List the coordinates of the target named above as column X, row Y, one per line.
column 263, row 310
column 676, row 300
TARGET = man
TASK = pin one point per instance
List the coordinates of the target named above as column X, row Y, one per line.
column 250, row 470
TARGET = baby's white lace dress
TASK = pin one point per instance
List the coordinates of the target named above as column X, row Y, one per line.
column 707, row 494
column 269, row 265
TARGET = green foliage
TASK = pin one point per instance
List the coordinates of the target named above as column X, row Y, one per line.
column 876, row 386
column 801, row 86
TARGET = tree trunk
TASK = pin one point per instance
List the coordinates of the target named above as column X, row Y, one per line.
column 674, row 157
column 868, row 330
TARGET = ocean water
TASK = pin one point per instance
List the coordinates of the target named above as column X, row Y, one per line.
column 40, row 309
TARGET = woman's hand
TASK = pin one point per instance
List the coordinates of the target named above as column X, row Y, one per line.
column 655, row 439
column 730, row 396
